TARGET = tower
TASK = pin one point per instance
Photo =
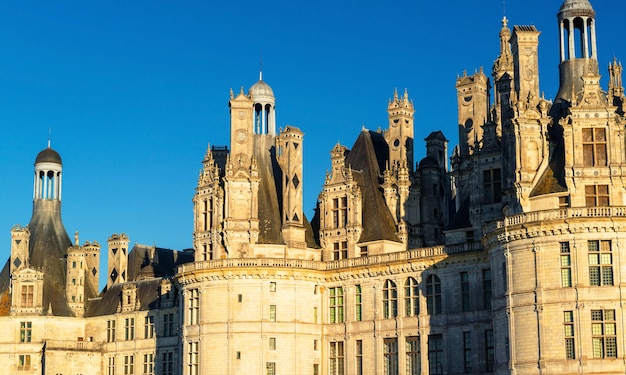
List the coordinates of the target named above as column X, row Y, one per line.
column 20, row 238
column 241, row 179
column 399, row 135
column 578, row 53
column 473, row 109
column 118, row 259
column 48, row 239
column 525, row 48
column 289, row 156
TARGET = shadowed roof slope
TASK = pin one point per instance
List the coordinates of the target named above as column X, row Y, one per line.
column 367, row 160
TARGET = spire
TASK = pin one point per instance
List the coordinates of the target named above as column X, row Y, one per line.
column 504, row 62
column 261, row 65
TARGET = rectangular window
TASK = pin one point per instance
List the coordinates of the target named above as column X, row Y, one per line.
column 335, row 304
column 129, row 329
column 358, row 303
column 316, row 369
column 315, row 314
column 564, row 202
column 148, row 364
column 28, row 292
column 272, row 286
column 435, row 354
column 26, row 331
column 411, row 297
column 467, row 352
column 192, row 353
column 597, row 195
column 168, row 363
column 148, row 328
column 359, row 357
column 168, row 325
column 487, row 289
column 594, row 147
column 568, row 328
column 600, row 263
column 271, row 368
column 489, row 350
column 604, row 335
column 272, row 313
column 340, row 250
column 412, row 347
column 111, row 366
column 340, row 212
column 363, row 251
column 566, row 265
column 23, row 362
column 129, row 364
column 335, row 358
column 194, row 306
column 272, row 343
column 465, row 291
column 390, row 352
column 492, row 186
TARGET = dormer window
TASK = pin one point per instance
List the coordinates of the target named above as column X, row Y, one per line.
column 28, row 292
column 594, row 147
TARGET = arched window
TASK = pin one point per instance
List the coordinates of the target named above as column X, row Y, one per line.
column 433, row 295
column 390, row 299
column 411, row 297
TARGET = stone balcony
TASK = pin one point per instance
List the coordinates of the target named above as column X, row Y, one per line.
column 414, row 254
column 558, row 214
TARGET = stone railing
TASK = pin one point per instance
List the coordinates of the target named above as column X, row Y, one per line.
column 73, row 345
column 413, row 254
column 559, row 214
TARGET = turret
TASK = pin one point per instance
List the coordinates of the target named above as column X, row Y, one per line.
column 399, row 135
column 578, row 52
column 473, row 110
column 118, row 259
column 289, row 146
column 48, row 239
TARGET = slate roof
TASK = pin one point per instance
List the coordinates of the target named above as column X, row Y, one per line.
column 148, row 292
column 553, row 178
column 270, row 195
column 147, row 266
column 367, row 159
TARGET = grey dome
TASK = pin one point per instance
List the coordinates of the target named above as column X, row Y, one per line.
column 48, row 156
column 573, row 8
column 261, row 90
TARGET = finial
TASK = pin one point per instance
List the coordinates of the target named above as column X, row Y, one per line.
column 395, row 94
column 505, row 22
column 76, row 238
column 261, row 65
column 49, row 136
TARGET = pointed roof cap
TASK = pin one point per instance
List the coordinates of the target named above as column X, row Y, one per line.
column 48, row 155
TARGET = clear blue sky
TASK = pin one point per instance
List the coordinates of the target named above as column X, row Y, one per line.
column 133, row 91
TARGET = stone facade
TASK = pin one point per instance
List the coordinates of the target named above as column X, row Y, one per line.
column 505, row 259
